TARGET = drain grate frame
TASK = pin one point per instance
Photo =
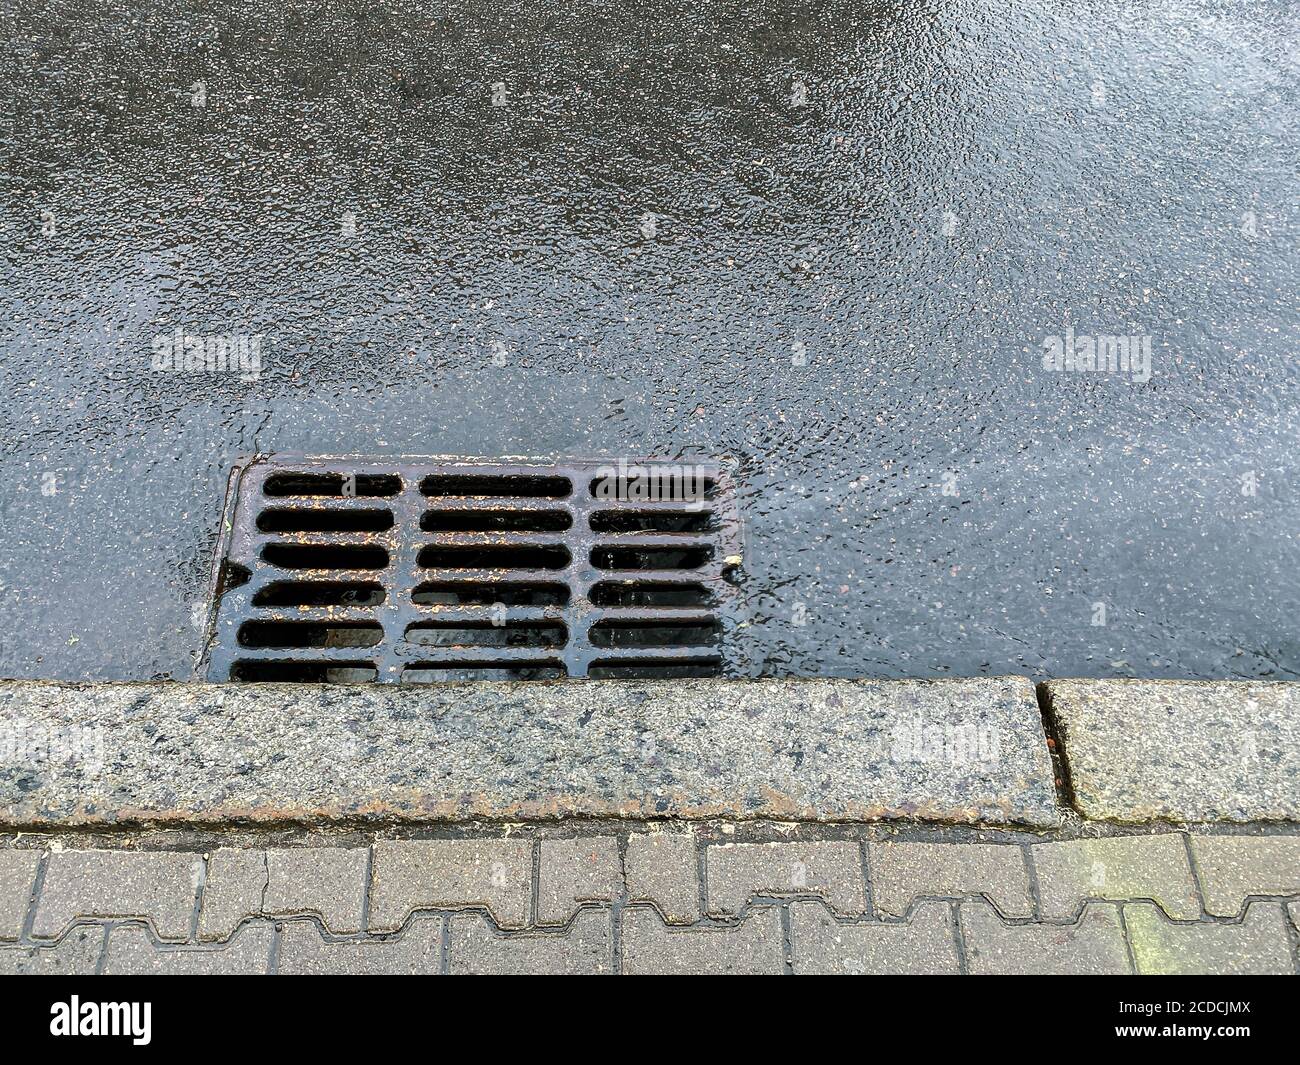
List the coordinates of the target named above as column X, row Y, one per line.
column 353, row 570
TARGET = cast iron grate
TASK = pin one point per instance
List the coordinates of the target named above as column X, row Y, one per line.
column 343, row 570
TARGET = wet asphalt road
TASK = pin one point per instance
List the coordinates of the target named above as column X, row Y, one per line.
column 828, row 242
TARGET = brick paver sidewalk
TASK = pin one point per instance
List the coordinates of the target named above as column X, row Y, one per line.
column 709, row 898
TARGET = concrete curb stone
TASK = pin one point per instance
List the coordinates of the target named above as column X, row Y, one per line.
column 1188, row 751
column 966, row 751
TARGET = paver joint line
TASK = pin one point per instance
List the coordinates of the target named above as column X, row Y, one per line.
column 37, row 884
column 788, row 905
column 757, row 903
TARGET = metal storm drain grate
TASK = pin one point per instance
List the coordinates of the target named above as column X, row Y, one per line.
column 353, row 571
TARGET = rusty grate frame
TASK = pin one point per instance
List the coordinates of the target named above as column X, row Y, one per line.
column 240, row 572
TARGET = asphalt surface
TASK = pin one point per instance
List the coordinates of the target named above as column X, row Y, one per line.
column 828, row 242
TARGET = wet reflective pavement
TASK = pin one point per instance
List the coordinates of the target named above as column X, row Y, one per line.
column 832, row 246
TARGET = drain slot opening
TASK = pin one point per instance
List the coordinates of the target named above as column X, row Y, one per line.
column 496, row 521
column 654, row 634
column 320, row 593
column 649, row 669
column 643, row 485
column 331, row 484
column 485, row 634
column 609, row 557
column 668, row 521
column 455, row 593
column 425, row 672
column 519, row 485
column 494, row 556
column 648, row 593
column 289, row 519
column 304, row 672
column 325, row 556
column 310, row 634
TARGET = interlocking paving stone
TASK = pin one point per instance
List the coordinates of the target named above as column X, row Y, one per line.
column 1232, row 867
column 831, row 869
column 1124, row 867
column 902, row 871
column 754, row 947
column 17, row 875
column 922, row 945
column 1094, row 944
column 305, row 952
column 1209, row 750
column 1259, row 944
column 273, row 752
column 579, row 881
column 131, row 952
column 156, row 885
column 237, row 880
column 451, row 874
column 76, row 954
column 662, row 868
column 326, row 881
column 586, row 947
column 573, row 871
